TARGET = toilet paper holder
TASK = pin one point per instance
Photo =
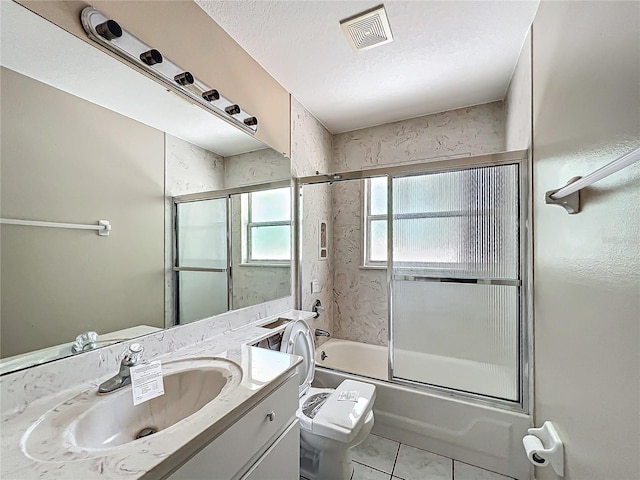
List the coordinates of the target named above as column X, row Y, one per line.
column 543, row 447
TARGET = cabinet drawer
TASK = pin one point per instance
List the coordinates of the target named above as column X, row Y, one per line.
column 282, row 460
column 244, row 441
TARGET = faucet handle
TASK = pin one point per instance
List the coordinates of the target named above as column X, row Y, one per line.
column 133, row 354
column 85, row 341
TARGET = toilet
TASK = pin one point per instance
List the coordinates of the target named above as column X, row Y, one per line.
column 332, row 421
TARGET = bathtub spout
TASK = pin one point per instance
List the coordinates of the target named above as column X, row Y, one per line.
column 322, row 333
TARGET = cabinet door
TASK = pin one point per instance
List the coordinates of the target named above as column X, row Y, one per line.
column 232, row 452
column 282, row 460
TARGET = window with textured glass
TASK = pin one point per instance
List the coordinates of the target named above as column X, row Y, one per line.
column 269, row 226
column 445, row 221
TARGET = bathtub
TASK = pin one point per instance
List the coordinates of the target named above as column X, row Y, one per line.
column 473, row 433
column 459, row 374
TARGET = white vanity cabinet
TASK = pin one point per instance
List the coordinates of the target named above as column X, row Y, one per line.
column 264, row 444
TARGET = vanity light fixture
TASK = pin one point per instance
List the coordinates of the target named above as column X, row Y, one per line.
column 108, row 33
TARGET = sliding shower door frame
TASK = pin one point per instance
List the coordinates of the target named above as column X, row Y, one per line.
column 521, row 158
column 521, row 404
column 213, row 195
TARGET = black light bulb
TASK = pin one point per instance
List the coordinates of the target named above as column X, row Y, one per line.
column 151, row 57
column 184, row 78
column 109, row 30
column 211, row 95
column 232, row 109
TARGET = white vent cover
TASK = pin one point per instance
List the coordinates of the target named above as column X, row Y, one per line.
column 368, row 29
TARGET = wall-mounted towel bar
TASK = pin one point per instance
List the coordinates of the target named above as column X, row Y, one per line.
column 569, row 195
column 103, row 227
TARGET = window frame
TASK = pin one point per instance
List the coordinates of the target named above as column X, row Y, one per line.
column 368, row 217
column 250, row 225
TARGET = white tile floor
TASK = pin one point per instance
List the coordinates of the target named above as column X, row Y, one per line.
column 378, row 458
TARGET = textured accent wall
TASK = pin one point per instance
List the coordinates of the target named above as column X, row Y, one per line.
column 360, row 295
column 586, row 106
column 472, row 131
column 261, row 166
column 310, row 152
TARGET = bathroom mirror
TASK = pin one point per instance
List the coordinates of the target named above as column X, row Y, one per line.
column 85, row 139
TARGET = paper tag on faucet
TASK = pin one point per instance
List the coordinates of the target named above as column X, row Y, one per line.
column 146, row 381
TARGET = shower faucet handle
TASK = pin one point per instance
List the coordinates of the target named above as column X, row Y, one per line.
column 317, row 308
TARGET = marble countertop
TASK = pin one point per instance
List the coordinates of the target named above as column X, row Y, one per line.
column 154, row 456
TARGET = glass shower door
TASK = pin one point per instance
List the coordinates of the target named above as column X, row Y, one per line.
column 201, row 259
column 455, row 280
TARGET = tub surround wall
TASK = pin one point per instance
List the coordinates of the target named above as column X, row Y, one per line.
column 587, row 266
column 466, row 131
column 360, row 295
column 260, row 166
column 310, row 152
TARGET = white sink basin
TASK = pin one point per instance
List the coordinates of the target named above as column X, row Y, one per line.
column 114, row 420
column 90, row 423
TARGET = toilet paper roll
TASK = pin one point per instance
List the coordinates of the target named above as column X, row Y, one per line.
column 533, row 446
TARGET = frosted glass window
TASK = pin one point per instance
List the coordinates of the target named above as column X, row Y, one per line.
column 271, row 205
column 378, row 196
column 378, row 241
column 268, row 226
column 271, row 242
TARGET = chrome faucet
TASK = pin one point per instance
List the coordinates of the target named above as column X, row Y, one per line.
column 322, row 333
column 85, row 341
column 123, row 377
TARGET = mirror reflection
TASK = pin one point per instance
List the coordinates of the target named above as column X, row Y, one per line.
column 76, row 157
column 255, row 228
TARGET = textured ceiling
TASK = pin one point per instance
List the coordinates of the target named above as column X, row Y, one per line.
column 445, row 55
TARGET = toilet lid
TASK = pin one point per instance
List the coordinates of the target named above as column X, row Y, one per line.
column 297, row 340
column 345, row 411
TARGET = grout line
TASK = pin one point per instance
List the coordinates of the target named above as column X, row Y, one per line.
column 482, row 468
column 395, row 460
column 369, row 466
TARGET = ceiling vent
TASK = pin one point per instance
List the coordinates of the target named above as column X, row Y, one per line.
column 368, row 29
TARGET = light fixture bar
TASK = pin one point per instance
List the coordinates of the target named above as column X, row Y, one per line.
column 107, row 32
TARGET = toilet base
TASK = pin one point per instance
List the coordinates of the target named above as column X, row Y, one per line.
column 326, row 459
